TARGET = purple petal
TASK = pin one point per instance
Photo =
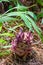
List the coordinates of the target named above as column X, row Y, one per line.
column 14, row 43
column 19, row 36
column 26, row 37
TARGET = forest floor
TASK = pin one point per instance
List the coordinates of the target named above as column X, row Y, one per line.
column 37, row 54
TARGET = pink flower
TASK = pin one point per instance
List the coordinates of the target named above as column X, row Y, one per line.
column 26, row 37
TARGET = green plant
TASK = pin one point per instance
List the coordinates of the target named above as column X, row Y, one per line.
column 4, row 0
column 40, row 15
column 28, row 17
column 40, row 2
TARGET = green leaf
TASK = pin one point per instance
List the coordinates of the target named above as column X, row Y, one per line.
column 26, row 21
column 0, row 27
column 21, row 8
column 10, row 6
column 6, row 34
column 4, row 53
column 38, row 30
column 2, row 41
column 14, row 13
column 4, row 0
column 40, row 15
column 32, row 15
column 5, row 47
column 26, row 12
column 40, row 2
column 7, row 19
